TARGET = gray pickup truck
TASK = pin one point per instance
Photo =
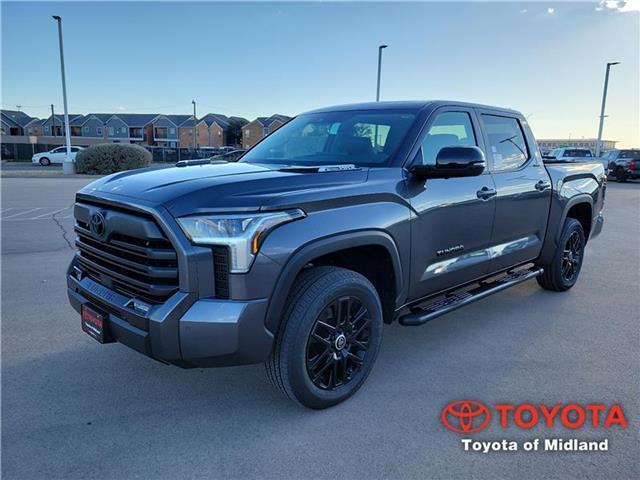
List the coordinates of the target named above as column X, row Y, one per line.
column 342, row 220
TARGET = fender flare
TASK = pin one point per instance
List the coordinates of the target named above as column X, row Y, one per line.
column 318, row 248
column 556, row 221
column 573, row 201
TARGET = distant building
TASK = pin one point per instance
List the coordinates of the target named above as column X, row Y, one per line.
column 255, row 131
column 547, row 145
column 12, row 122
column 218, row 129
column 54, row 125
column 130, row 127
column 187, row 129
column 165, row 130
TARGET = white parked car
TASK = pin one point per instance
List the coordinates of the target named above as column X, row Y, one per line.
column 57, row 155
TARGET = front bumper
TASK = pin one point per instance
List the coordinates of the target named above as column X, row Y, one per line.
column 184, row 330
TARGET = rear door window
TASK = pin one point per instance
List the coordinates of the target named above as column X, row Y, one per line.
column 506, row 142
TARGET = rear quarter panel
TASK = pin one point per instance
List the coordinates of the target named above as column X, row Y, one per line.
column 572, row 183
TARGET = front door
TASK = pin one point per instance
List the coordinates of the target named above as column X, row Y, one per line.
column 453, row 217
column 523, row 191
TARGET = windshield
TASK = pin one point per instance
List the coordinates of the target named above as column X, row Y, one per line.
column 363, row 138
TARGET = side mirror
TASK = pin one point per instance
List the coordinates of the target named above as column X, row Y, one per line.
column 467, row 161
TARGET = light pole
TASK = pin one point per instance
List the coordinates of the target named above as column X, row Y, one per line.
column 67, row 167
column 380, row 48
column 195, row 125
column 602, row 115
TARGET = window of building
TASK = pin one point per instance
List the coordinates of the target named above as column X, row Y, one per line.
column 247, row 133
column 450, row 129
column 86, row 129
column 99, row 130
column 111, row 131
column 506, row 141
column 172, row 131
column 46, row 129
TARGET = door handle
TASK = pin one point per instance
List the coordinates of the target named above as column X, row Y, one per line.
column 485, row 193
column 542, row 185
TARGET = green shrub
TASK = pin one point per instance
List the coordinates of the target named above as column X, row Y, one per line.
column 108, row 158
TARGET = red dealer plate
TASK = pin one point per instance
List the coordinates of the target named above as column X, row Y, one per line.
column 93, row 323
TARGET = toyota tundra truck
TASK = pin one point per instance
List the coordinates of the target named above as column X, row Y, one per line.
column 342, row 220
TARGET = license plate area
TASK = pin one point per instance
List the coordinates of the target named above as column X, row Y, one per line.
column 95, row 324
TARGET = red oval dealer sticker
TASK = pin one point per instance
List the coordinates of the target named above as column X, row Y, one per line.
column 465, row 416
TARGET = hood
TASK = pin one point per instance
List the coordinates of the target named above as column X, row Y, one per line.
column 225, row 187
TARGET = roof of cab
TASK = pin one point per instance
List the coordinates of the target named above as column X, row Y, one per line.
column 415, row 105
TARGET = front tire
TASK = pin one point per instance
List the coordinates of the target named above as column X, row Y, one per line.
column 329, row 338
column 45, row 162
column 563, row 271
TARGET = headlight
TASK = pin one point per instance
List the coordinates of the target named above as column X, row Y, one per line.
column 242, row 233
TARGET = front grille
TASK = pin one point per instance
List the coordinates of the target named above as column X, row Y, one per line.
column 221, row 271
column 134, row 258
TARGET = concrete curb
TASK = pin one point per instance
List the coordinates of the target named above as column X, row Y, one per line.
column 28, row 174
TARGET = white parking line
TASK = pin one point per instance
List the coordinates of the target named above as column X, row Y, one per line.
column 35, row 213
column 22, row 213
column 46, row 215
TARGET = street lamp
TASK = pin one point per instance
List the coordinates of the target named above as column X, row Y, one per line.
column 380, row 48
column 67, row 167
column 604, row 101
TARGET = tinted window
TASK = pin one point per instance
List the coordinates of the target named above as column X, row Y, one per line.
column 506, row 142
column 575, row 152
column 635, row 154
column 365, row 138
column 450, row 129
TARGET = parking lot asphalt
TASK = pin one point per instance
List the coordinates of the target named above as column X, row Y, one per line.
column 72, row 408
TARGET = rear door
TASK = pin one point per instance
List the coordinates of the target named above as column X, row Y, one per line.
column 451, row 229
column 58, row 155
column 523, row 190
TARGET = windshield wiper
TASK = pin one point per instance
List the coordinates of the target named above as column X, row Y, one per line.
column 201, row 161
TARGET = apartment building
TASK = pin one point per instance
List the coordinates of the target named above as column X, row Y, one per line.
column 255, row 131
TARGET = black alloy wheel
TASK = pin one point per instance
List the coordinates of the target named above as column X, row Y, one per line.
column 338, row 343
column 571, row 257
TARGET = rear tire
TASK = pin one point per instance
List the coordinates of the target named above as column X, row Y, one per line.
column 563, row 271
column 329, row 337
column 621, row 175
column 45, row 162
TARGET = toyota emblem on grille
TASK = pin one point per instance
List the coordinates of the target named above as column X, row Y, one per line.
column 98, row 224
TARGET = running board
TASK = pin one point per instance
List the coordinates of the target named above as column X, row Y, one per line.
column 454, row 301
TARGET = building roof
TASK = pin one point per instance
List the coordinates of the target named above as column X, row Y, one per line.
column 220, row 119
column 59, row 119
column 103, row 117
column 177, row 119
column 266, row 121
column 16, row 116
column 136, row 119
column 36, row 122
column 190, row 122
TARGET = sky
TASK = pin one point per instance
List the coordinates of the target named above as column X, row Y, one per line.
column 545, row 59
